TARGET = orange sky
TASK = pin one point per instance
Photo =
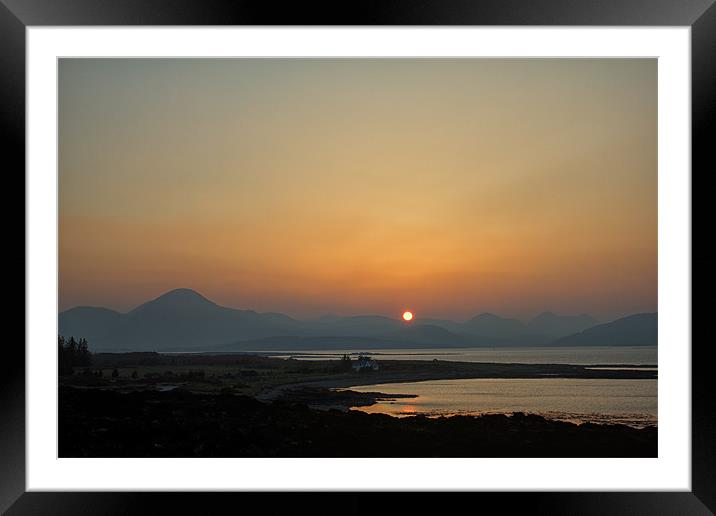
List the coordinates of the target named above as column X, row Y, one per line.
column 450, row 187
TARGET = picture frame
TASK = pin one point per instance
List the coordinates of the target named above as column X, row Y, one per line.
column 700, row 16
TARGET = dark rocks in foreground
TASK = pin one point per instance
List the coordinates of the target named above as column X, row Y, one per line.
column 317, row 397
column 100, row 423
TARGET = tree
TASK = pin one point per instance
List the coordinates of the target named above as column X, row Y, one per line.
column 83, row 355
column 345, row 363
column 72, row 348
column 64, row 361
column 71, row 353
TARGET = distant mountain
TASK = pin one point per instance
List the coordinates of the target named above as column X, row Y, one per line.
column 97, row 325
column 357, row 326
column 634, row 330
column 555, row 326
column 180, row 300
column 429, row 334
column 491, row 325
column 453, row 326
column 540, row 330
column 316, row 342
column 323, row 343
column 181, row 318
column 417, row 336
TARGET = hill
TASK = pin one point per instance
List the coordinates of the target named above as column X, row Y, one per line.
column 556, row 326
column 633, row 330
column 183, row 320
column 179, row 319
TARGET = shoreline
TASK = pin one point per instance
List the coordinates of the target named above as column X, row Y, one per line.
column 180, row 423
column 337, row 394
column 318, row 384
column 534, row 371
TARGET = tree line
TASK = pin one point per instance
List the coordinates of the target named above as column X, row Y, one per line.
column 72, row 353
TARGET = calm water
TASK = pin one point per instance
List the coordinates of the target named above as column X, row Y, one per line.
column 632, row 402
column 642, row 355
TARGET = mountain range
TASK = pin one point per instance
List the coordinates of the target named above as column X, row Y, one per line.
column 183, row 320
column 633, row 330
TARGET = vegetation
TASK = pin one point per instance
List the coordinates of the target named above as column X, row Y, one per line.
column 345, row 363
column 72, row 353
column 255, row 375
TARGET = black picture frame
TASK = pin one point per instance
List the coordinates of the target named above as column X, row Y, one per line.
column 17, row 15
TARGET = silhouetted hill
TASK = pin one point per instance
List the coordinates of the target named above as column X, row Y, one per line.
column 95, row 324
column 555, row 326
column 418, row 336
column 429, row 334
column 183, row 319
column 179, row 319
column 320, row 343
column 491, row 325
column 180, row 300
column 357, row 326
column 633, row 330
column 453, row 326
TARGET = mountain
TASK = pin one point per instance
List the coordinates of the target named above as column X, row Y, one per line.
column 414, row 336
column 323, row 343
column 429, row 334
column 555, row 326
column 491, row 325
column 512, row 332
column 95, row 324
column 180, row 300
column 181, row 318
column 633, row 330
column 452, row 326
column 357, row 326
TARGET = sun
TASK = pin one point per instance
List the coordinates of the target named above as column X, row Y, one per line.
column 407, row 316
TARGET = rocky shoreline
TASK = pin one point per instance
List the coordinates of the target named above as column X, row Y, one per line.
column 343, row 399
column 179, row 423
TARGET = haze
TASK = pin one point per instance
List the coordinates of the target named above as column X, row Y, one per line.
column 448, row 187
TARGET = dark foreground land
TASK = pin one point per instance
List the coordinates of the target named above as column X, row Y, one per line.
column 189, row 405
column 179, row 423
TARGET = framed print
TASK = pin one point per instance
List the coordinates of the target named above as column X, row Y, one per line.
column 445, row 248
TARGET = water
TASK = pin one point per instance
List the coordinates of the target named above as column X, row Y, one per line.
column 632, row 402
column 637, row 355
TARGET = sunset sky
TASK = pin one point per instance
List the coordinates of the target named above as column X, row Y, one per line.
column 448, row 187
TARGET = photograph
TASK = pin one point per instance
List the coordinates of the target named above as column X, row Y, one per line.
column 365, row 257
column 434, row 250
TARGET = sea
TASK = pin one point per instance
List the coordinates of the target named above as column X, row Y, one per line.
column 592, row 355
column 629, row 402
column 603, row 401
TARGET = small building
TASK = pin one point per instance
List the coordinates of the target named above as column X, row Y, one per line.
column 365, row 364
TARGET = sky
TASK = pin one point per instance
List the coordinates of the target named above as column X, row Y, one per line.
column 449, row 187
